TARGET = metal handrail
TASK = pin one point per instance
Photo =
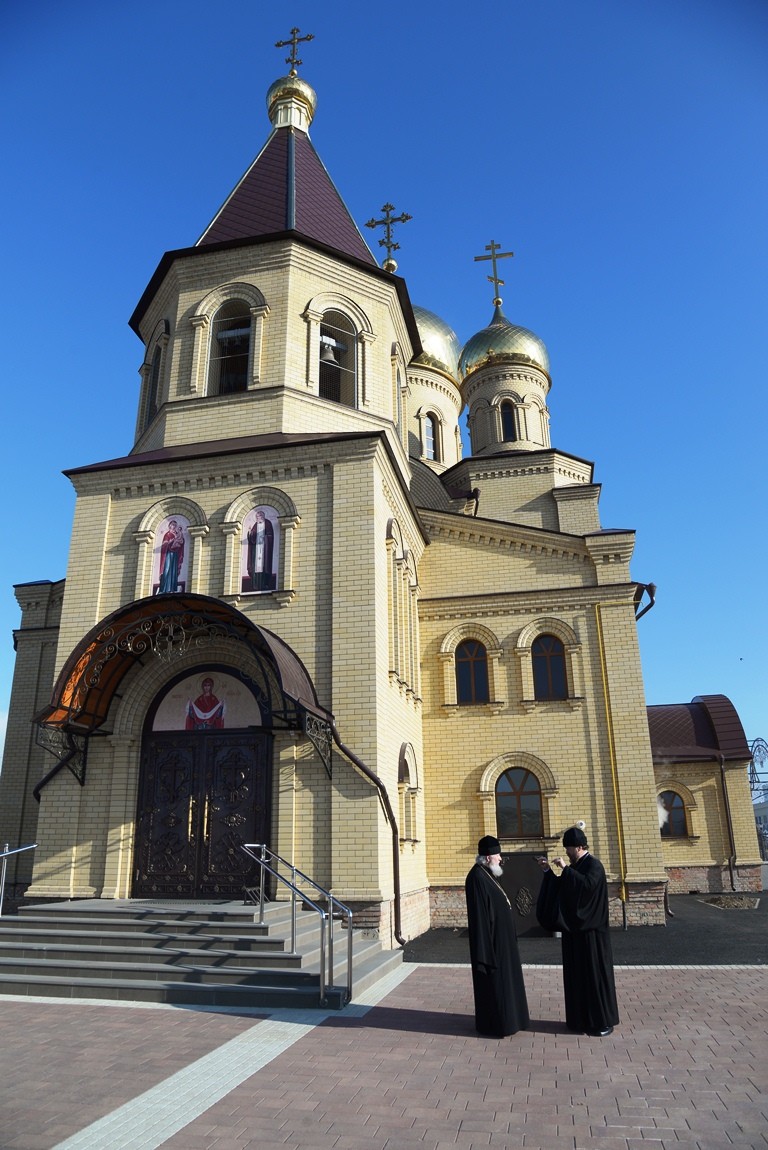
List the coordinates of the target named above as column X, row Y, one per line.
column 5, row 854
column 336, row 909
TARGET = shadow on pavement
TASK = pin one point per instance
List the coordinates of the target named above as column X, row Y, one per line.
column 698, row 933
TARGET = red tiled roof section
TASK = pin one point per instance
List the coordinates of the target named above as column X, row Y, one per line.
column 287, row 188
column 705, row 728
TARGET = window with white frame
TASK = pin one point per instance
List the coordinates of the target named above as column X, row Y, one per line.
column 431, row 438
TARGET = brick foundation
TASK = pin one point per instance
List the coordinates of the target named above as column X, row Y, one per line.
column 378, row 918
column 645, row 906
column 713, row 879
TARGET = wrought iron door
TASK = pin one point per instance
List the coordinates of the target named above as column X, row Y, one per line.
column 201, row 795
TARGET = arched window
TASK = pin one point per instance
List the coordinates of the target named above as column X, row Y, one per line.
column 407, row 787
column 399, row 398
column 518, row 805
column 508, row 431
column 431, row 448
column 338, row 359
column 154, row 384
column 675, row 825
column 549, row 678
column 171, row 556
column 471, row 672
column 260, row 550
column 230, row 349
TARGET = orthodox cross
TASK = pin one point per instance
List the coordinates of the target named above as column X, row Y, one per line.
column 389, row 264
column 495, row 255
column 294, row 41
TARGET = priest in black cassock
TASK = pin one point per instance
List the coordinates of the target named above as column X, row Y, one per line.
column 501, row 1007
column 578, row 901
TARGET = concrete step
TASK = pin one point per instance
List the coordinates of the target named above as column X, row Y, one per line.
column 80, row 947
column 55, row 934
column 174, row 993
column 59, row 967
column 154, row 924
column 172, row 954
column 198, row 954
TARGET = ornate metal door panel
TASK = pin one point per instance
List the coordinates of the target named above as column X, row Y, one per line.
column 236, row 808
column 200, row 797
column 165, row 838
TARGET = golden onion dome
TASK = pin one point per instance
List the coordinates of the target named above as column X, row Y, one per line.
column 439, row 342
column 292, row 90
column 502, row 342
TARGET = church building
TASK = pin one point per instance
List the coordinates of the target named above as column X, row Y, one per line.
column 296, row 614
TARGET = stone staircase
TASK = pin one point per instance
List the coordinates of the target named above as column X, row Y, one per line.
column 191, row 954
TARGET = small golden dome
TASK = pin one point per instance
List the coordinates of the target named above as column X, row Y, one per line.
column 292, row 89
column 439, row 342
column 502, row 342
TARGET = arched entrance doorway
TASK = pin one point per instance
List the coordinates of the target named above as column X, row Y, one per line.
column 205, row 766
column 204, row 788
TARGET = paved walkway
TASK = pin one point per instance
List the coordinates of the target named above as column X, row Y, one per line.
column 401, row 1068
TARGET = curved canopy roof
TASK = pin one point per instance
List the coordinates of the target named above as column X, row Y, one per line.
column 166, row 627
column 705, row 728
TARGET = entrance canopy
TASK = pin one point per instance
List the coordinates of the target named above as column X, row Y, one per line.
column 166, row 627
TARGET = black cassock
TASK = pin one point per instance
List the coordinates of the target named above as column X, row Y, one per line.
column 582, row 901
column 501, row 1007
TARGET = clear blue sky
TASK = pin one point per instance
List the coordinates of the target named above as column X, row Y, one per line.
column 618, row 147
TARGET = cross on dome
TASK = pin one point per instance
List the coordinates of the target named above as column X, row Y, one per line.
column 389, row 264
column 294, row 41
column 495, row 255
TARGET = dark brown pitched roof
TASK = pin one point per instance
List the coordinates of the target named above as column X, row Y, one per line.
column 705, row 728
column 287, row 188
column 181, row 451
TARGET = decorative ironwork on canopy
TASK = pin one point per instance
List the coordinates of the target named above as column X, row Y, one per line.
column 166, row 627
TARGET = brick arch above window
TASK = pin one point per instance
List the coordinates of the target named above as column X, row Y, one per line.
column 547, row 626
column 496, row 768
column 469, row 631
column 505, row 397
column 257, row 497
column 237, row 289
column 395, row 538
column 173, row 505
column 334, row 301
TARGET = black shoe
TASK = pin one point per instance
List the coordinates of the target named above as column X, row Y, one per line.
column 600, row 1033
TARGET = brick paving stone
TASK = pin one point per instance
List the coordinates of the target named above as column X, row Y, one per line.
column 76, row 1062
column 412, row 1072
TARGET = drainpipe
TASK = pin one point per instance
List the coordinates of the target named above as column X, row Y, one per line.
column 651, row 589
column 729, row 821
column 390, row 819
column 614, row 768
